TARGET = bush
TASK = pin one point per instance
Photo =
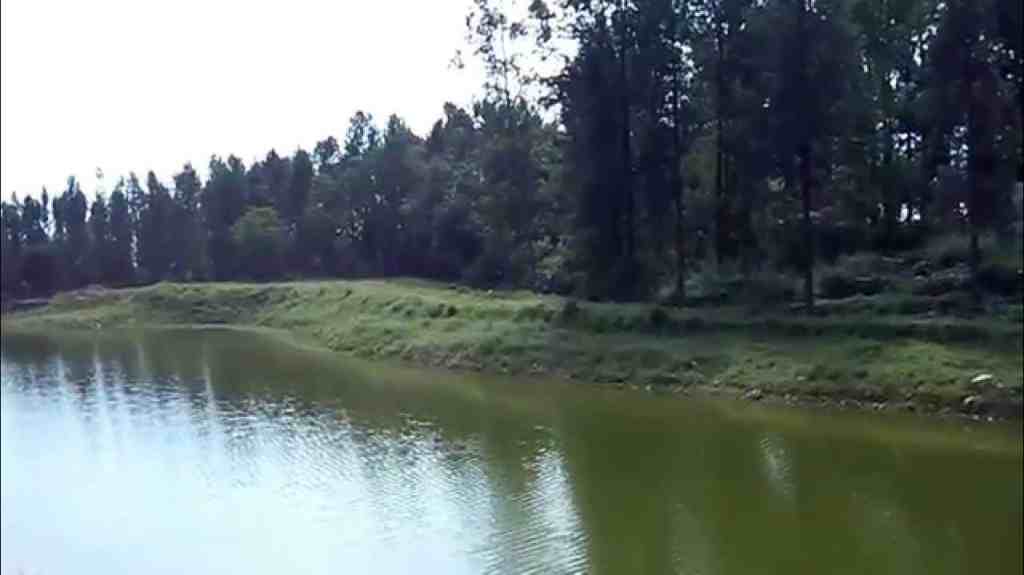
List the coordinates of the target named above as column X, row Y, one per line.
column 659, row 318
column 694, row 324
column 904, row 237
column 489, row 270
column 835, row 240
column 912, row 305
column 560, row 282
column 954, row 249
column 1016, row 314
column 260, row 238
column 1000, row 279
column 40, row 270
column 532, row 313
column 839, row 284
column 870, row 263
column 714, row 286
column 948, row 251
column 768, row 289
column 763, row 288
column 570, row 311
column 961, row 303
column 706, row 287
column 552, row 274
column 944, row 283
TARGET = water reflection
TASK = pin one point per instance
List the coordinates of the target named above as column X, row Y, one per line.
column 208, row 451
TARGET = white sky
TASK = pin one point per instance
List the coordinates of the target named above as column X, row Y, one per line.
column 139, row 84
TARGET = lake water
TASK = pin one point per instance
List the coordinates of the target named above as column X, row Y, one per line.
column 221, row 452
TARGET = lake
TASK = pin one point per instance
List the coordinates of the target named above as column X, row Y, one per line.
column 220, row 451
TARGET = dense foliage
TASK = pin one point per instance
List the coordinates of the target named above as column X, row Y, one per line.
column 672, row 136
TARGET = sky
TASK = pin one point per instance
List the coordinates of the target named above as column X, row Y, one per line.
column 142, row 85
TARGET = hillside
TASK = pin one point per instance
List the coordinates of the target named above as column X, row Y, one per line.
column 843, row 355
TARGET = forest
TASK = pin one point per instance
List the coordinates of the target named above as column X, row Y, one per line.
column 620, row 150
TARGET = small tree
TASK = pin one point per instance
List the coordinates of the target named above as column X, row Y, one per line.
column 188, row 253
column 122, row 265
column 260, row 242
column 101, row 258
column 10, row 247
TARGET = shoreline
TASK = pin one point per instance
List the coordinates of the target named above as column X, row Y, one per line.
column 851, row 363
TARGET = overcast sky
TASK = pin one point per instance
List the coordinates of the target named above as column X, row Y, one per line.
column 137, row 84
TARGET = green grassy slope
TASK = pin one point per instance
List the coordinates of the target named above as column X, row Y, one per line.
column 914, row 361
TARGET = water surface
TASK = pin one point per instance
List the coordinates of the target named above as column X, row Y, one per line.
column 223, row 452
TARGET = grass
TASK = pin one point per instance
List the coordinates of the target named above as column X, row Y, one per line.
column 853, row 353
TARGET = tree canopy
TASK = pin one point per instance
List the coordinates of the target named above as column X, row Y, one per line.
column 618, row 147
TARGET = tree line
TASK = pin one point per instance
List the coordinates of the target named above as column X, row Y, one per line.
column 674, row 135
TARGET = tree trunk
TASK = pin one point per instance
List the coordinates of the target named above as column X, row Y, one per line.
column 719, row 223
column 745, row 230
column 680, row 294
column 678, row 187
column 677, row 181
column 806, row 174
column 973, row 183
column 804, row 153
column 627, row 163
column 892, row 207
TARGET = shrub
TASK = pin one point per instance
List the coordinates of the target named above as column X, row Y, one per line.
column 706, row 287
column 871, row 285
column 1016, row 314
column 998, row 278
column 768, row 289
column 535, row 312
column 961, row 303
column 836, row 240
column 871, row 263
column 903, row 238
column 948, row 251
column 836, row 285
column 954, row 249
column 941, row 284
column 912, row 305
column 552, row 274
column 659, row 318
column 839, row 284
column 40, row 269
column 570, row 311
column 694, row 324
column 601, row 324
column 260, row 239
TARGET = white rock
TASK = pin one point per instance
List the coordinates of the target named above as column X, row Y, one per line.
column 982, row 379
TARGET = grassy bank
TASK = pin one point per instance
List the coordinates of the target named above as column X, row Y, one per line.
column 913, row 359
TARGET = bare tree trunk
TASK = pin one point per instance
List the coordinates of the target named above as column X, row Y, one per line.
column 627, row 162
column 808, row 225
column 677, row 181
column 678, row 189
column 806, row 168
column 892, row 207
column 719, row 223
column 973, row 183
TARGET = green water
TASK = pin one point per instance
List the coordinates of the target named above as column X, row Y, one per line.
column 222, row 452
